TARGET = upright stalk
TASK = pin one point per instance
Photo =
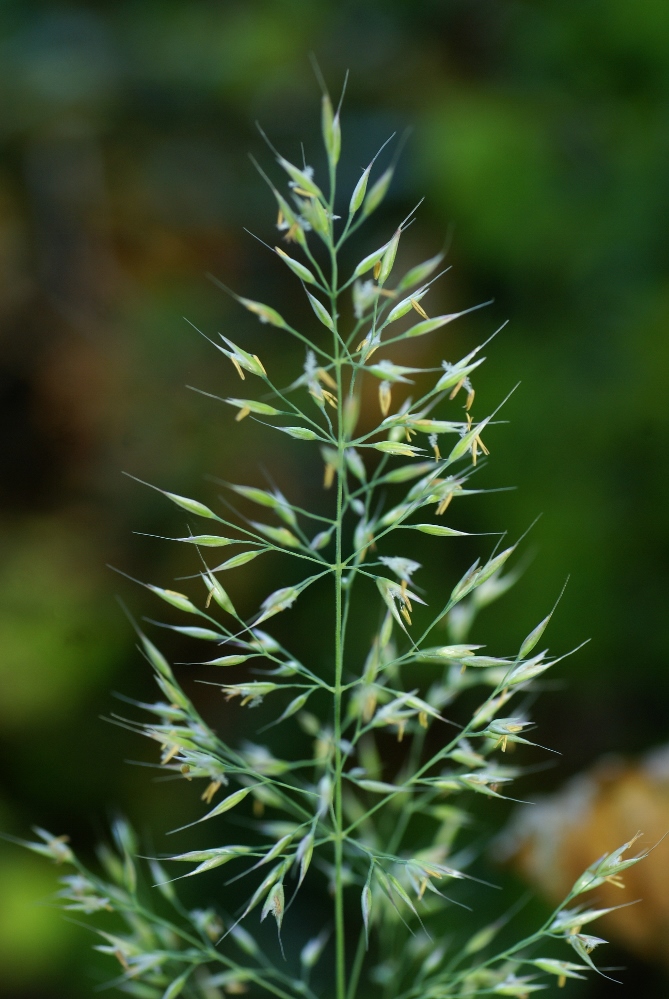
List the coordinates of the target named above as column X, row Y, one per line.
column 339, row 825
column 340, row 949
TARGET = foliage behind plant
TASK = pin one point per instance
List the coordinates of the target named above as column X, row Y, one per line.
column 378, row 837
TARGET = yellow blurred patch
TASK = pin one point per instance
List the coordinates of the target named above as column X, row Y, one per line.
column 552, row 842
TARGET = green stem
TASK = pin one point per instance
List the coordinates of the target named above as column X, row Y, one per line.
column 357, row 966
column 339, row 888
column 340, row 950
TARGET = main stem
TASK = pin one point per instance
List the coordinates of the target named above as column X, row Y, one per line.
column 340, row 952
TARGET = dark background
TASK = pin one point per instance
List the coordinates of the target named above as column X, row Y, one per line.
column 540, row 140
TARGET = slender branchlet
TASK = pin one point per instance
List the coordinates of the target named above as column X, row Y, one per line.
column 377, row 839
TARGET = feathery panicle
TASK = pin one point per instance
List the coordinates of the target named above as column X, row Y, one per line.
column 343, row 817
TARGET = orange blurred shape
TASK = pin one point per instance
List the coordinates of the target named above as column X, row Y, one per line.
column 552, row 842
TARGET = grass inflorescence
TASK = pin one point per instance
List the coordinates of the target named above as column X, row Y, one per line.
column 339, row 818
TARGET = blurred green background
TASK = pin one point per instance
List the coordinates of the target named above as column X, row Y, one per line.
column 540, row 140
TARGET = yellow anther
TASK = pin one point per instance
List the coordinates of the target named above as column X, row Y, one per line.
column 326, row 377
column 457, row 389
column 369, row 706
column 443, row 506
column 482, row 446
column 385, row 398
column 170, row 754
column 419, row 308
column 615, row 879
column 210, row 791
